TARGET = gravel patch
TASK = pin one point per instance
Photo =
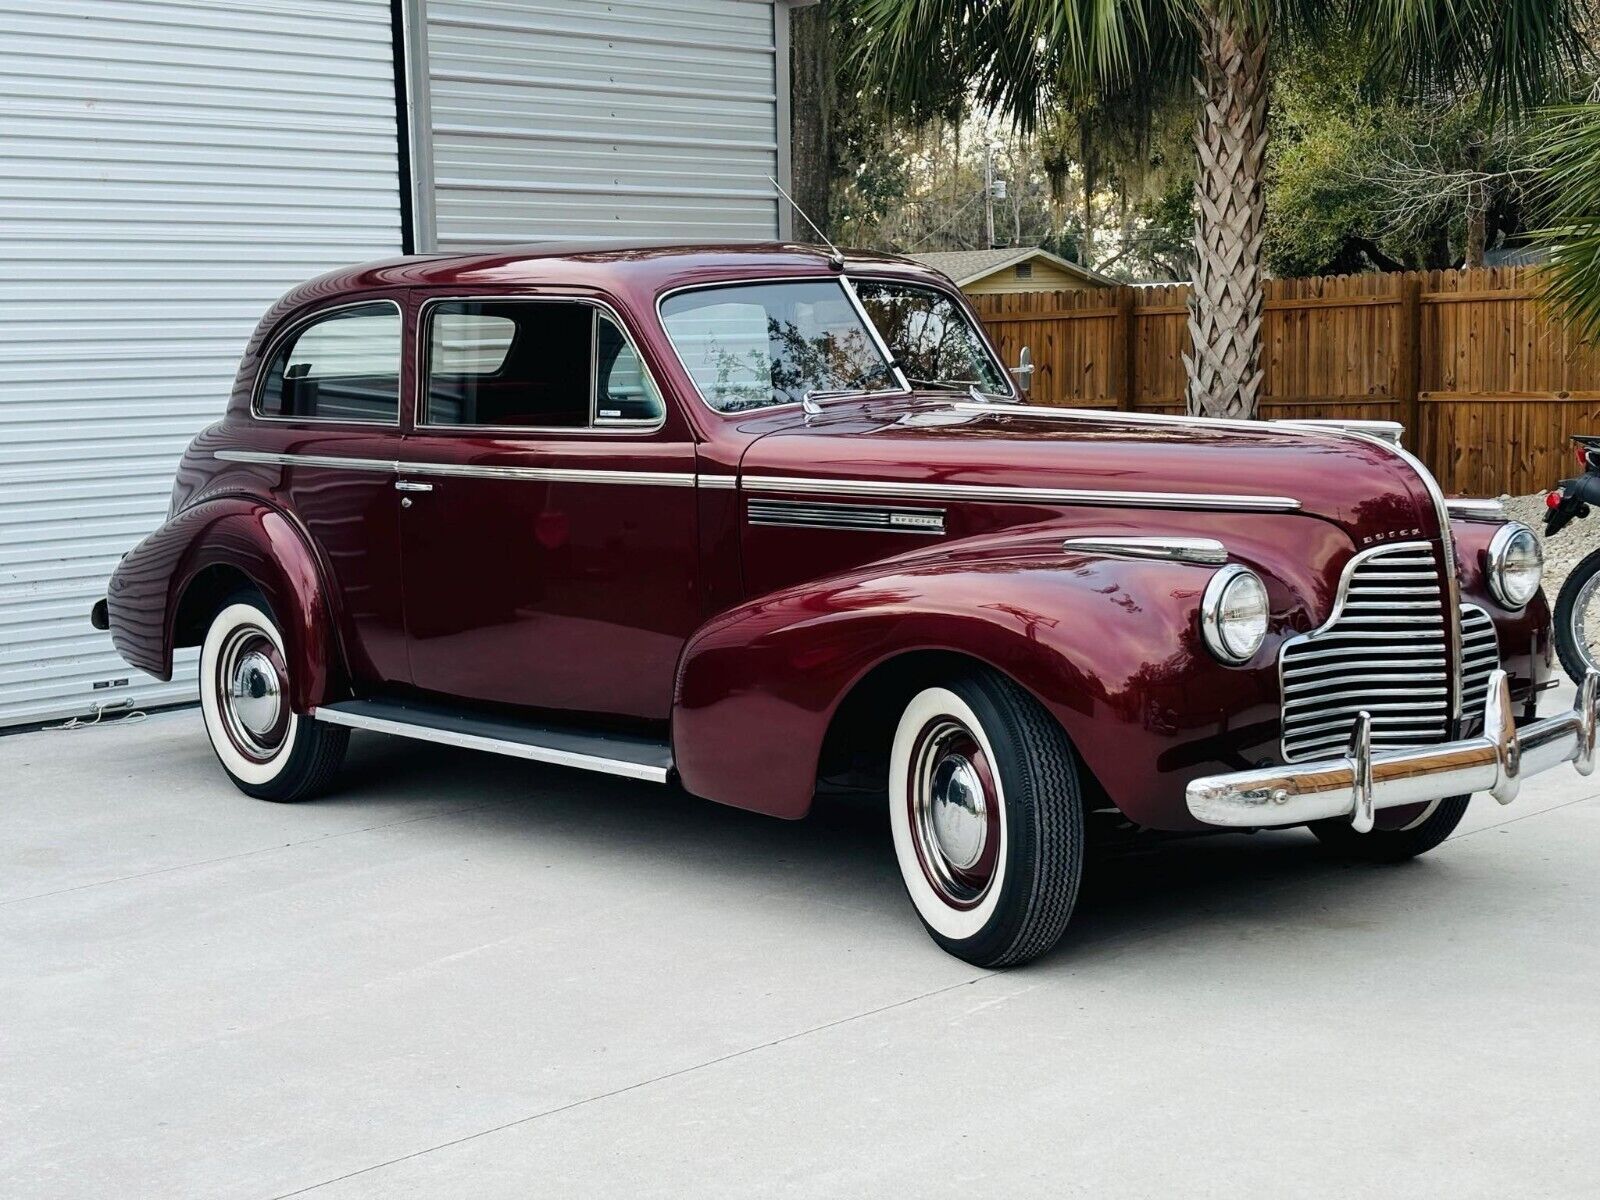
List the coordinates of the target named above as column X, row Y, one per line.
column 1562, row 552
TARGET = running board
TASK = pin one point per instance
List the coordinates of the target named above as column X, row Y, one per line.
column 606, row 753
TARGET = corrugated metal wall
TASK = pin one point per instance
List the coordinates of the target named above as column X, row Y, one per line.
column 627, row 119
column 166, row 171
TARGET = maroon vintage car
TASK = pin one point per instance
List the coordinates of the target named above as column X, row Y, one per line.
column 764, row 521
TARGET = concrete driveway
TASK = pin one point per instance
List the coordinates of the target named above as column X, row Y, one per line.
column 466, row 976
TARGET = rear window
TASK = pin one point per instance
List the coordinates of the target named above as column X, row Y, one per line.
column 341, row 367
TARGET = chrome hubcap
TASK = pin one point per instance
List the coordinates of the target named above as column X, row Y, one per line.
column 252, row 686
column 959, row 811
column 955, row 812
column 255, row 693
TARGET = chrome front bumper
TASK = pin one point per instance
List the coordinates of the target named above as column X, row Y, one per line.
column 1361, row 783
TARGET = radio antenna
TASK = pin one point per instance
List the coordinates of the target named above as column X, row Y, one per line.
column 835, row 258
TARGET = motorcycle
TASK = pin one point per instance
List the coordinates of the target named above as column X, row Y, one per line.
column 1577, row 616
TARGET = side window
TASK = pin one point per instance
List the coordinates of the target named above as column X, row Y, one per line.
column 532, row 364
column 342, row 367
column 623, row 392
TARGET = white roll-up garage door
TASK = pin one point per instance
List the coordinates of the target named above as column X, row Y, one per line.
column 617, row 119
column 167, row 170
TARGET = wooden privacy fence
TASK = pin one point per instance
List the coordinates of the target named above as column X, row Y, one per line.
column 1487, row 382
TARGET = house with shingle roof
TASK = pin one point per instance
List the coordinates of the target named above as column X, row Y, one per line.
column 1011, row 269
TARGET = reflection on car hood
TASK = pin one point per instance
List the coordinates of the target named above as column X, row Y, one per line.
column 1359, row 484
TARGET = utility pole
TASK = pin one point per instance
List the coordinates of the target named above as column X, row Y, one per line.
column 993, row 189
column 988, row 192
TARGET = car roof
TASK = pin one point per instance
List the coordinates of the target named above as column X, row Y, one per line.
column 634, row 268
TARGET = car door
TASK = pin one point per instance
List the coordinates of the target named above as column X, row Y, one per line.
column 327, row 407
column 548, row 527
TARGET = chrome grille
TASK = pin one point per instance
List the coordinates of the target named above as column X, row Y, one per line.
column 1385, row 651
column 1480, row 654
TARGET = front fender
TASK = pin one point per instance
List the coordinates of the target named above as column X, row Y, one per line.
column 1111, row 647
column 1527, row 647
column 254, row 538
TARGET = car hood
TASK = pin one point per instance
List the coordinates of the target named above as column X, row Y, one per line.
column 1361, row 485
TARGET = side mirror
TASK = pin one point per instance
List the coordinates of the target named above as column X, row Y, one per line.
column 1023, row 371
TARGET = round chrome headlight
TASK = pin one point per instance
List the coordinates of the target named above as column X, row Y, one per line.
column 1233, row 613
column 1516, row 565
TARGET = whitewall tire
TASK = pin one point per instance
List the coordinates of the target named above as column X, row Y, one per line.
column 987, row 820
column 268, row 750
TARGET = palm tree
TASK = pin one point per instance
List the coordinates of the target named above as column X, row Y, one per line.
column 1027, row 57
column 1569, row 157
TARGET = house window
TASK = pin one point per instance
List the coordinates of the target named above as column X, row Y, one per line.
column 1024, row 270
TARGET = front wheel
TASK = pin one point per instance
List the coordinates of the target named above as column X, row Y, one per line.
column 1577, row 618
column 1435, row 823
column 268, row 750
column 985, row 808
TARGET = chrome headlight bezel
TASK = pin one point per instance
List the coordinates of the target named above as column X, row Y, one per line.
column 1227, row 641
column 1509, row 539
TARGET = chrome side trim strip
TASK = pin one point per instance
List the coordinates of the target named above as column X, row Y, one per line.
column 463, row 470
column 387, row 466
column 909, row 490
column 472, row 741
column 1007, row 494
column 1176, row 549
column 550, row 474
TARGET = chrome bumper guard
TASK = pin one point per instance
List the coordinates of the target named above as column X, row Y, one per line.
column 1361, row 783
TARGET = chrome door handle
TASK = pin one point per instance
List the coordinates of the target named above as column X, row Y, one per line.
column 411, row 485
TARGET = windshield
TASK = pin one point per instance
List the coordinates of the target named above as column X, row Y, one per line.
column 754, row 345
column 930, row 337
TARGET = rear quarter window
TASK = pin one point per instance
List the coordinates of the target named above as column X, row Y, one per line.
column 344, row 366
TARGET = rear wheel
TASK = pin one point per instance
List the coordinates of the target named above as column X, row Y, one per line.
column 267, row 749
column 1435, row 824
column 985, row 808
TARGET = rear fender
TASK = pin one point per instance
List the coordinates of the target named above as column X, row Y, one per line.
column 1110, row 647
column 260, row 542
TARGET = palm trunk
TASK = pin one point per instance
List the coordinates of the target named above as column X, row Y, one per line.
column 1231, row 143
column 1477, row 223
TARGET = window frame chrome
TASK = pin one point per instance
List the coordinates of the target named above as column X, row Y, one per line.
column 612, row 428
column 285, row 336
